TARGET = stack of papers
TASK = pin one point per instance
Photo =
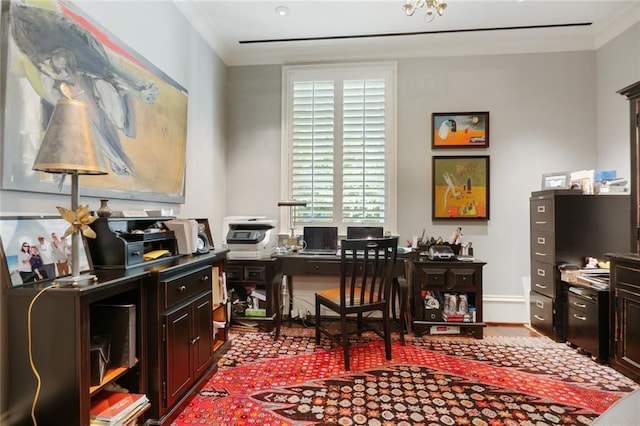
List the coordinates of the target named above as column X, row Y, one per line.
column 117, row 408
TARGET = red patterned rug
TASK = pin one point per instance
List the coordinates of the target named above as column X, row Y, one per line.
column 433, row 380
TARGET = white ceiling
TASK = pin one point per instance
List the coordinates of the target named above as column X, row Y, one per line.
column 223, row 24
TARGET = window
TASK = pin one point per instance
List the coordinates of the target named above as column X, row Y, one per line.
column 339, row 144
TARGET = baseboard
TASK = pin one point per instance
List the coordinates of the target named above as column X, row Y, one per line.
column 505, row 309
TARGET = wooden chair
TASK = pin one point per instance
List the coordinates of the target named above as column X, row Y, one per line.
column 366, row 275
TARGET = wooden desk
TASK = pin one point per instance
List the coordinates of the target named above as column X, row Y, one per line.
column 319, row 265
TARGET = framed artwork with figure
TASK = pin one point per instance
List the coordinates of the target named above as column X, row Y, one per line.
column 460, row 187
column 460, row 130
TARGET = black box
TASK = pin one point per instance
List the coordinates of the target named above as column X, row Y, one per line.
column 120, row 322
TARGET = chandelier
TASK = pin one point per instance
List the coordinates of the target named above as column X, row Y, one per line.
column 433, row 7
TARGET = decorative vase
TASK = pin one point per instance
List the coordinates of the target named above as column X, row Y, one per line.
column 104, row 210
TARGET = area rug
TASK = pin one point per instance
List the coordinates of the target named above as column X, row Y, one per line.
column 432, row 380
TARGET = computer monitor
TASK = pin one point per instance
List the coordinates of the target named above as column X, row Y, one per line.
column 320, row 237
column 364, row 232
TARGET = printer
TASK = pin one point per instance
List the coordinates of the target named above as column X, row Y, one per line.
column 250, row 237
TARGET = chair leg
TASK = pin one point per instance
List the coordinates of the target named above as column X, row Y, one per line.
column 387, row 333
column 317, row 322
column 345, row 340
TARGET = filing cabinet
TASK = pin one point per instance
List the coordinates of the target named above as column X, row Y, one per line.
column 587, row 319
column 565, row 228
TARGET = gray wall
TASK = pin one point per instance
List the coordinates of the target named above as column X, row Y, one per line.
column 545, row 117
column 168, row 41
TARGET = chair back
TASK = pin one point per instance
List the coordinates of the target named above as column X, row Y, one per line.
column 366, row 271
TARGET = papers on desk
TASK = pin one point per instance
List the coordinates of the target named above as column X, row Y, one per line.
column 594, row 277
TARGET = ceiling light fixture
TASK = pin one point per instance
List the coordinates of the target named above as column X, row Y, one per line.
column 433, row 7
column 282, row 10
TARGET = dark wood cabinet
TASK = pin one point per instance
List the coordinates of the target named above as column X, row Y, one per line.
column 457, row 277
column 566, row 227
column 60, row 327
column 263, row 276
column 625, row 307
column 181, row 338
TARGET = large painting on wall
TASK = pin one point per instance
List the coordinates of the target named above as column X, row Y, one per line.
column 138, row 113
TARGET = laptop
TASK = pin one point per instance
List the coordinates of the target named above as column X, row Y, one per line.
column 364, row 232
column 321, row 240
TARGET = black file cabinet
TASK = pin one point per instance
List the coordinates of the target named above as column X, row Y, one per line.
column 587, row 319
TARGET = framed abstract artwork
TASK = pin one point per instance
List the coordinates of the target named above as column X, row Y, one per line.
column 138, row 113
column 460, row 187
column 33, row 250
column 460, row 130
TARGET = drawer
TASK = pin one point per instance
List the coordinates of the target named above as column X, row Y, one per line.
column 181, row 288
column 234, row 272
column 542, row 215
column 582, row 329
column 541, row 310
column 543, row 278
column 322, row 268
column 134, row 253
column 461, row 279
column 543, row 246
column 433, row 277
column 582, row 305
column 255, row 273
column 628, row 276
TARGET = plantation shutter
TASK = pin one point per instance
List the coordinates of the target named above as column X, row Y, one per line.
column 363, row 168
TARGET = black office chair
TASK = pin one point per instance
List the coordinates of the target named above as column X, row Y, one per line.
column 366, row 274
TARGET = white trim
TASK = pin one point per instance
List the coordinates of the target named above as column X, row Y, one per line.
column 505, row 309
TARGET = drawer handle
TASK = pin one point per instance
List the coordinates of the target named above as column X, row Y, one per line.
column 195, row 340
column 541, row 222
column 182, row 288
column 135, row 253
column 316, row 267
column 579, row 305
column 580, row 317
column 541, row 254
column 464, row 278
column 541, row 240
column 542, row 272
column 541, row 286
column 540, row 304
column 541, row 209
column 205, row 278
column 539, row 318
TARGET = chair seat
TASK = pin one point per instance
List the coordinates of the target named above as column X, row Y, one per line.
column 333, row 295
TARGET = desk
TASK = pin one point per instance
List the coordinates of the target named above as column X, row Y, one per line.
column 318, row 265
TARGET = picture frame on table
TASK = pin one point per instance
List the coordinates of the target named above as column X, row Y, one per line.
column 18, row 231
column 557, row 180
column 460, row 187
column 460, row 129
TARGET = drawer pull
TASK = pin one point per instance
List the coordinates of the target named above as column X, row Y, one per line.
column 542, row 209
column 205, row 278
column 580, row 317
column 136, row 253
column 540, row 304
column 464, row 278
column 542, row 272
column 195, row 340
column 541, row 222
column 541, row 286
column 579, row 305
column 542, row 240
column 539, row 318
column 182, row 288
column 541, row 254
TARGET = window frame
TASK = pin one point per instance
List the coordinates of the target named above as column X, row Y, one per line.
column 341, row 72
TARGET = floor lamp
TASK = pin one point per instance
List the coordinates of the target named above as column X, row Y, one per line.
column 69, row 147
column 292, row 204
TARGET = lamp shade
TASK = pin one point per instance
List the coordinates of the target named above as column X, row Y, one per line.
column 69, row 143
column 291, row 203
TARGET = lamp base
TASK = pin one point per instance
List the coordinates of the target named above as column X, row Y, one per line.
column 76, row 281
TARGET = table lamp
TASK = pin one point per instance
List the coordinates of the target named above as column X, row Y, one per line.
column 69, row 147
column 292, row 204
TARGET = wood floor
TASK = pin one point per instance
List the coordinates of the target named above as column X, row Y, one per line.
column 509, row 330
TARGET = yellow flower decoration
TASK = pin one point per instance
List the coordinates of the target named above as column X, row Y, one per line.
column 79, row 220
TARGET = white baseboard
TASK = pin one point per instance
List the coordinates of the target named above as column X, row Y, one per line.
column 505, row 309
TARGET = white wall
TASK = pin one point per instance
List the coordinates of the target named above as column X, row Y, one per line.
column 158, row 32
column 542, row 119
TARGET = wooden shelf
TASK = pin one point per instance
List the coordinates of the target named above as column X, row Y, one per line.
column 109, row 376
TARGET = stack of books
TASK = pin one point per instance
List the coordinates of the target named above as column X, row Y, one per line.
column 457, row 317
column 117, row 408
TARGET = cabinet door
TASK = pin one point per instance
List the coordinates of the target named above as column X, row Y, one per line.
column 202, row 340
column 628, row 323
column 178, row 354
